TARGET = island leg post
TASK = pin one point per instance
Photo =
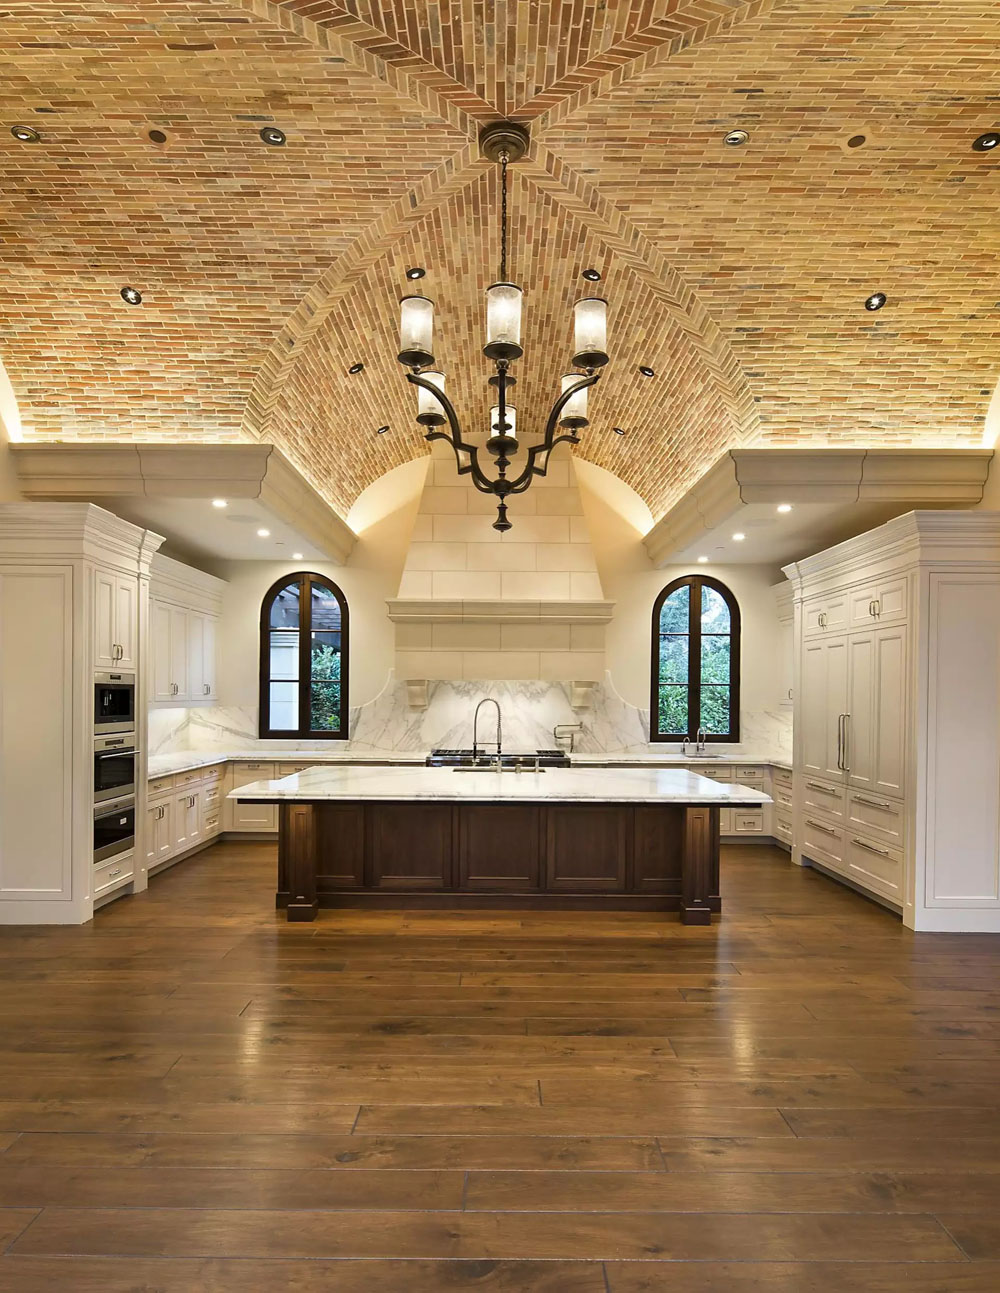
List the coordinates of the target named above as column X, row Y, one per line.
column 701, row 847
column 297, row 827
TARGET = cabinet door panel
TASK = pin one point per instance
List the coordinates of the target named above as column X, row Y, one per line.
column 340, row 846
column 410, row 845
column 587, row 848
column 104, row 620
column 498, row 846
column 890, row 711
column 195, row 655
column 179, row 653
column 127, row 620
column 859, row 752
column 823, row 700
column 657, row 849
column 159, row 632
column 208, row 658
column 836, row 703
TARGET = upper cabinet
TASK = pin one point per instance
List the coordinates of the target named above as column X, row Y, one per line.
column 185, row 605
column 116, row 620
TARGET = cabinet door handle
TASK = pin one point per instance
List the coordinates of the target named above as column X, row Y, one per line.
column 883, row 853
column 207, row 688
column 873, row 803
column 824, row 790
column 847, row 742
column 820, row 827
column 821, row 619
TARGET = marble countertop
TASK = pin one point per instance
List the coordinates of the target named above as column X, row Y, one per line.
column 598, row 785
column 164, row 765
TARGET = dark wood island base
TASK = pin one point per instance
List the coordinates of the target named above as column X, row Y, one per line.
column 601, row 856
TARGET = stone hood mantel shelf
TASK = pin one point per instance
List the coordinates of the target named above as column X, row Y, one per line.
column 436, row 610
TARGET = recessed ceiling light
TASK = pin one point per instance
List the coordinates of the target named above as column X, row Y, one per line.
column 876, row 301
column 219, row 502
column 591, row 275
column 356, row 368
column 646, row 370
column 618, row 430
column 25, row 134
column 263, row 534
column 273, row 136
column 784, row 507
column 738, row 537
column 381, row 430
column 296, row 556
column 737, row 138
column 702, row 560
column 856, row 141
column 986, row 143
column 158, row 136
column 416, row 271
column 131, row 295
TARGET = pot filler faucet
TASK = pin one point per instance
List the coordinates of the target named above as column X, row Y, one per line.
column 487, row 700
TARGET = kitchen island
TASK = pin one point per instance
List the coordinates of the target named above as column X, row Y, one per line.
column 640, row 838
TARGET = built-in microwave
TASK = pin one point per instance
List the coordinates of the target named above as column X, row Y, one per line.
column 114, row 702
column 114, row 766
column 114, row 828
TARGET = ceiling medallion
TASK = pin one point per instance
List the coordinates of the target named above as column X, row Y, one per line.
column 502, row 142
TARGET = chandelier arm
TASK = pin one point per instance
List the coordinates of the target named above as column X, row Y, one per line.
column 550, row 440
column 479, row 478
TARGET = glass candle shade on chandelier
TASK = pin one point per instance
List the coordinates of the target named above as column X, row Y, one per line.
column 502, row 143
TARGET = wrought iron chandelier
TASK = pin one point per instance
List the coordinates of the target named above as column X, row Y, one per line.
column 503, row 142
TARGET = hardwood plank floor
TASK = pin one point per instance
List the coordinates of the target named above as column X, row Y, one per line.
column 195, row 1095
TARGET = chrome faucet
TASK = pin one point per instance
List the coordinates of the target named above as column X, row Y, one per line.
column 700, row 741
column 487, row 700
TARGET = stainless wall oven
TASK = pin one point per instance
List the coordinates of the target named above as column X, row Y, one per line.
column 114, row 702
column 114, row 766
column 114, row 827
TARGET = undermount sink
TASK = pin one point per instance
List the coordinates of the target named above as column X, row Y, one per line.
column 704, row 755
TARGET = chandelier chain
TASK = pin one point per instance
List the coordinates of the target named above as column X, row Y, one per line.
column 504, row 158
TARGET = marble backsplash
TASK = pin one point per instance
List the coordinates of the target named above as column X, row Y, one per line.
column 530, row 711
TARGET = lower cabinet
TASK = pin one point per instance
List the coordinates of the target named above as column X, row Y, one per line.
column 252, row 818
column 586, row 847
column 108, row 876
column 182, row 813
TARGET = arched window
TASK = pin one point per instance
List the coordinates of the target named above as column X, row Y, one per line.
column 696, row 662
column 303, row 659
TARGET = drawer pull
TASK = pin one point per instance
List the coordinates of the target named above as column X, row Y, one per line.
column 883, row 853
column 873, row 803
column 823, row 790
column 820, row 827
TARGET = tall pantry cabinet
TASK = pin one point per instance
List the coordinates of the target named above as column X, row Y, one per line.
column 896, row 784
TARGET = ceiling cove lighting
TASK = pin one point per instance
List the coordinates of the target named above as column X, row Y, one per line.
column 502, row 143
column 219, row 502
column 273, row 136
column 25, row 134
column 986, row 143
column 131, row 296
column 784, row 508
column 702, row 560
column 876, row 301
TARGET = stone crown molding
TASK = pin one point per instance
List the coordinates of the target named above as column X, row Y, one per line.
column 419, row 610
column 952, row 476
column 74, row 470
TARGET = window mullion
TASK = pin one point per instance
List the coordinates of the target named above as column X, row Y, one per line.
column 305, row 670
column 694, row 659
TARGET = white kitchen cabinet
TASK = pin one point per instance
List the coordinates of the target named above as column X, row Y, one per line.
column 159, row 842
column 825, row 614
column 874, row 744
column 822, row 703
column 255, row 818
column 201, row 656
column 169, row 632
column 187, row 820
column 116, row 620
column 185, row 608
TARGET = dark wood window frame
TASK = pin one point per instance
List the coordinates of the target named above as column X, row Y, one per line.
column 696, row 583
column 306, row 580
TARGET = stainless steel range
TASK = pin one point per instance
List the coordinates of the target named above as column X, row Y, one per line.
column 466, row 759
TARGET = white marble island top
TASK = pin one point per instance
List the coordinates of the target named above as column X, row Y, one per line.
column 597, row 785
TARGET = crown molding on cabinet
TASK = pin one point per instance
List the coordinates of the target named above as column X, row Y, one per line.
column 44, row 532
column 54, row 470
column 828, row 476
column 173, row 581
column 430, row 610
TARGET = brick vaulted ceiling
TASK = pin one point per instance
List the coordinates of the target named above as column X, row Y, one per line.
column 738, row 274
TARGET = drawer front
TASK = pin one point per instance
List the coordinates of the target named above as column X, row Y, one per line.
column 751, row 775
column 748, row 821
column 287, row 769
column 821, row 797
column 211, row 823
column 189, row 778
column 871, row 815
column 715, row 774
column 782, row 827
column 873, row 865
column 782, row 799
column 781, row 777
column 159, row 786
column 823, row 842
column 244, row 773
column 110, row 874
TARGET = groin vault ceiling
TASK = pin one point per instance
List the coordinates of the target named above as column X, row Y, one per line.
column 737, row 273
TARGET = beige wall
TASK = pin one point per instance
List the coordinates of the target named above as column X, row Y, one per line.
column 632, row 582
